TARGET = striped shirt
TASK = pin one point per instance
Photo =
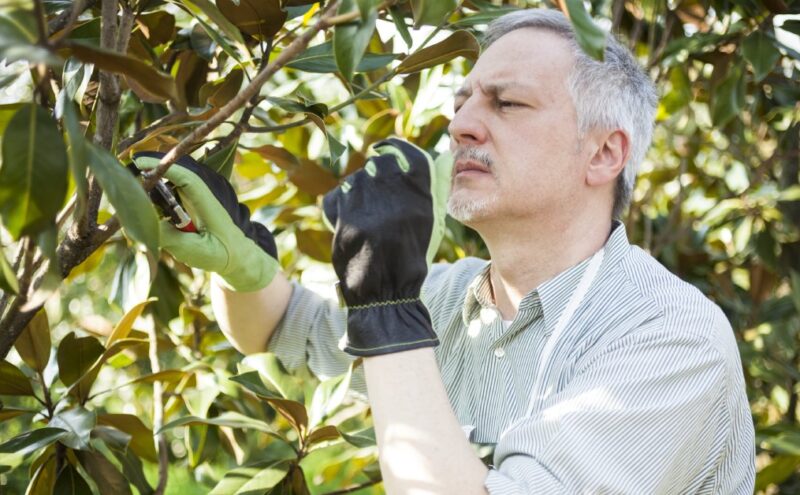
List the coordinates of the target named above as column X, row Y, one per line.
column 647, row 392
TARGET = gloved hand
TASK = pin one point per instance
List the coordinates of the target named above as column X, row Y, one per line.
column 389, row 221
column 242, row 253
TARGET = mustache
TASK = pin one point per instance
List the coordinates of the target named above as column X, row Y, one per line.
column 474, row 154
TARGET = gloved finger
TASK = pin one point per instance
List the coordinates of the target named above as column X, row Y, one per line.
column 412, row 159
column 387, row 165
column 201, row 250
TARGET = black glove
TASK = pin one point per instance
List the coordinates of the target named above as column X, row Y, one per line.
column 389, row 221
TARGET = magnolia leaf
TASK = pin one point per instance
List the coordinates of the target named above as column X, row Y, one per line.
column 44, row 477
column 728, row 98
column 70, row 482
column 82, row 387
column 360, row 439
column 33, row 344
column 253, row 478
column 431, row 11
column 13, row 381
column 76, row 355
column 320, row 59
column 315, row 243
column 230, row 419
column 78, row 423
column 761, row 52
column 222, row 161
column 350, row 40
column 321, row 434
column 12, row 412
column 8, row 279
column 219, row 20
column 123, row 328
column 590, row 37
column 272, row 371
column 105, row 475
column 32, row 440
column 141, row 443
column 261, row 19
column 33, row 178
column 218, row 93
column 152, row 80
column 328, row 396
column 458, row 44
column 135, row 210
column 76, row 149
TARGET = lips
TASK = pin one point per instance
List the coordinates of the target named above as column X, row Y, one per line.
column 470, row 166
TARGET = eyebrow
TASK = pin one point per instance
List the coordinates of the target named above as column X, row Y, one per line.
column 492, row 88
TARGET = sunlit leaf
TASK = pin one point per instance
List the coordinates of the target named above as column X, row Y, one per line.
column 350, row 40
column 252, row 478
column 590, row 37
column 431, row 11
column 458, row 44
column 78, row 423
column 8, row 279
column 13, row 381
column 261, row 19
column 141, row 441
column 320, row 58
column 44, row 478
column 229, row 418
column 76, row 355
column 33, row 345
column 33, row 440
column 360, row 439
column 33, row 177
column 124, row 326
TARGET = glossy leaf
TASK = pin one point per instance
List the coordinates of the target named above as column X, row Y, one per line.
column 761, row 52
column 33, row 178
column 229, row 418
column 209, row 9
column 44, row 478
column 328, row 396
column 320, row 58
column 76, row 149
column 431, row 11
column 323, row 433
column 18, row 37
column 31, row 441
column 8, row 279
column 728, row 97
column 33, row 344
column 153, row 81
column 272, row 372
column 70, row 482
column 134, row 208
column 253, row 478
column 222, row 161
column 458, row 44
column 125, row 325
column 105, row 475
column 590, row 37
column 7, row 413
column 261, row 19
column 76, row 355
column 252, row 382
column 78, row 423
column 13, row 381
column 360, row 439
column 315, row 243
column 220, row 92
column 350, row 40
column 83, row 386
column 141, row 443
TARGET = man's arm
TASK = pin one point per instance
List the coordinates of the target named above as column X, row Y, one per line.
column 422, row 446
column 248, row 319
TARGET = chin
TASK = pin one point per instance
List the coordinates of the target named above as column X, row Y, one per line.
column 468, row 210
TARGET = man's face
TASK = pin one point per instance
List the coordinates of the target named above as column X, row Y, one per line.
column 514, row 135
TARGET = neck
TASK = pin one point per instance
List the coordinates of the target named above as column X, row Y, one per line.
column 525, row 256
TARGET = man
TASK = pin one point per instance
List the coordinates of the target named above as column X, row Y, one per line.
column 591, row 368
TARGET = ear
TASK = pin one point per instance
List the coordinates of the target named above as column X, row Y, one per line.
column 609, row 158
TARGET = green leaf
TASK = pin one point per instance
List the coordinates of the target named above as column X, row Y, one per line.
column 70, row 482
column 458, row 44
column 105, row 475
column 360, row 439
column 7, row 413
column 83, row 386
column 33, row 344
column 728, row 97
column 590, row 37
column 134, row 208
column 252, row 478
column 219, row 20
column 125, row 325
column 44, row 478
column 323, row 433
column 228, row 418
column 155, row 82
column 141, row 443
column 222, row 161
column 76, row 355
column 33, row 178
column 483, row 17
column 350, row 40
column 252, row 382
column 78, row 423
column 795, row 279
column 400, row 24
column 761, row 52
column 8, row 279
column 320, row 59
column 261, row 19
column 76, row 149
column 328, row 396
column 13, row 381
column 18, row 36
column 777, row 471
column 431, row 11
column 117, row 444
column 272, row 371
column 32, row 440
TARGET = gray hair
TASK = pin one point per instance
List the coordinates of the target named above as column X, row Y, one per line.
column 613, row 94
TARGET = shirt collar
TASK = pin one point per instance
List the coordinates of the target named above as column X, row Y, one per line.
column 550, row 297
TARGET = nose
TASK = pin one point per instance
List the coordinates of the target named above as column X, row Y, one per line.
column 468, row 126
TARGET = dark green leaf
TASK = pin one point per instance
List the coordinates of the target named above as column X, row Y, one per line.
column 761, row 52
column 33, row 345
column 320, row 58
column 44, row 477
column 12, row 412
column 78, row 423
column 252, row 478
column 328, row 396
column 360, row 439
column 76, row 355
column 134, row 208
column 83, row 386
column 777, row 471
column 252, row 382
column 70, row 482
column 13, row 381
column 18, row 38
column 328, row 432
column 130, row 462
column 105, row 475
column 400, row 24
column 32, row 440
column 261, row 19
column 141, row 442
column 229, row 418
column 76, row 150
column 350, row 40
column 590, row 37
column 431, row 11
column 458, row 44
column 483, row 17
column 33, row 178
column 222, row 161
column 728, row 97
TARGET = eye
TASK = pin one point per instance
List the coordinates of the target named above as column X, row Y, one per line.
column 507, row 104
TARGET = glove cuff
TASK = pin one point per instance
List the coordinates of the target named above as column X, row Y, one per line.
column 389, row 327
column 259, row 273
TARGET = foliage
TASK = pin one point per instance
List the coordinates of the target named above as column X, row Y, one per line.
column 122, row 381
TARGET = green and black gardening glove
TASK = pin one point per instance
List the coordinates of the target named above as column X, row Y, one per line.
column 240, row 252
column 388, row 220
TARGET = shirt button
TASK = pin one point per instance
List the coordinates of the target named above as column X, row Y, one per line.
column 499, row 352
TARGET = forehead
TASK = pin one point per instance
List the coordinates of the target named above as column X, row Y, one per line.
column 529, row 54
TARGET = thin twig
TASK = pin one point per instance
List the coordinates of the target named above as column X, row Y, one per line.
column 158, row 410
